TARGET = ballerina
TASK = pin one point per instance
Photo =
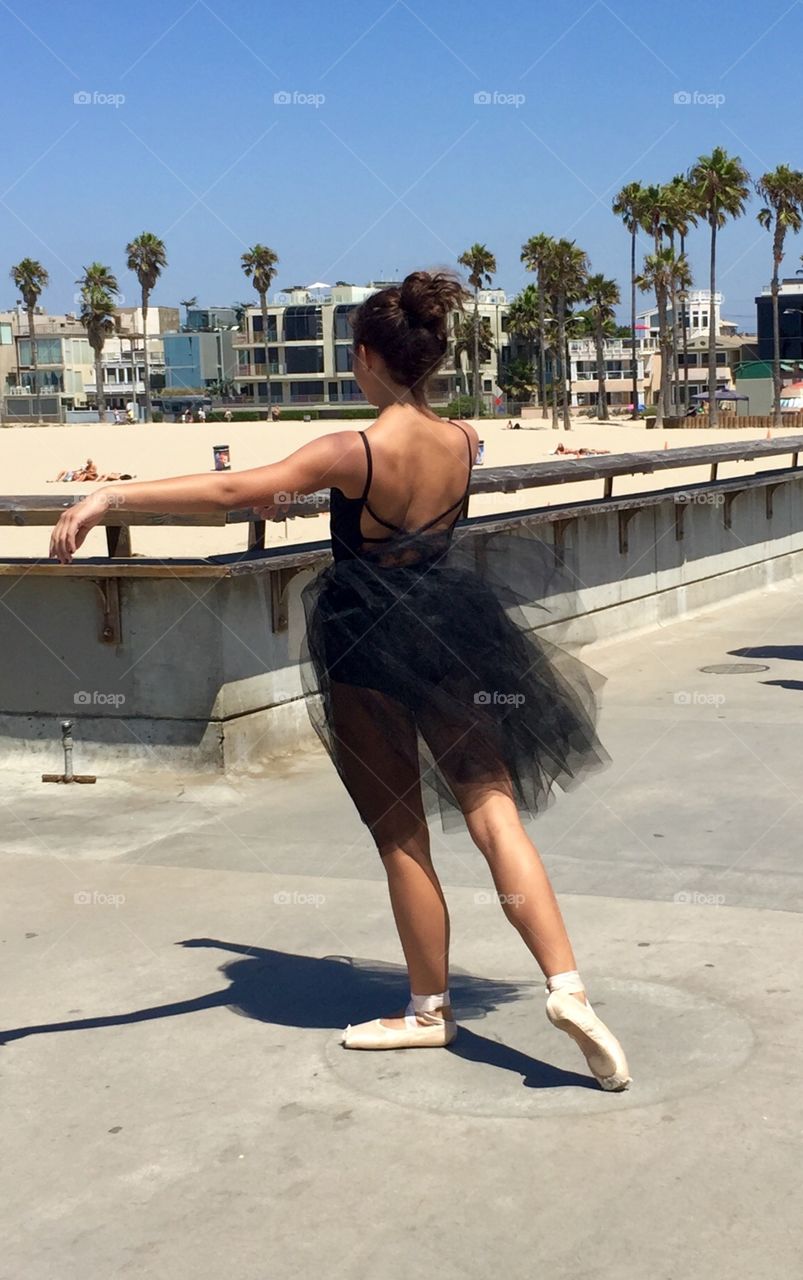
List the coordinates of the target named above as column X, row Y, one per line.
column 427, row 694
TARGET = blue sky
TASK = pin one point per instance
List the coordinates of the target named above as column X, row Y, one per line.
column 382, row 161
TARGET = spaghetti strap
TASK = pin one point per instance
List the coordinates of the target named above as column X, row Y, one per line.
column 369, row 467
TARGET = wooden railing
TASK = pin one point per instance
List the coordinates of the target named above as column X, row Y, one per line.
column 45, row 509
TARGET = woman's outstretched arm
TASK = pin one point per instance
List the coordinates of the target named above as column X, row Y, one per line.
column 333, row 460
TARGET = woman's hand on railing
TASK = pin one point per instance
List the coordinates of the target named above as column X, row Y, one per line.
column 74, row 524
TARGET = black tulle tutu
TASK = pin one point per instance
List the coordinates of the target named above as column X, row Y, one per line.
column 424, row 677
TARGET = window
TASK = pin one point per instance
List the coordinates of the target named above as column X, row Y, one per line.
column 257, row 326
column 304, row 359
column 342, row 324
column 344, row 357
column 331, row 390
column 302, row 323
column 305, row 392
column 48, row 351
column 6, row 339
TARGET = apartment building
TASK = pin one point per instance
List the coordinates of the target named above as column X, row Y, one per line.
column 65, row 362
column 309, row 349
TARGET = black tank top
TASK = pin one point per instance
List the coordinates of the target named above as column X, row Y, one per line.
column 345, row 514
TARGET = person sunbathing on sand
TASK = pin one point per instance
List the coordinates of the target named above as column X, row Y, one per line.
column 578, row 453
column 89, row 472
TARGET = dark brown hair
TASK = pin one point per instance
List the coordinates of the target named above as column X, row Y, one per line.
column 407, row 324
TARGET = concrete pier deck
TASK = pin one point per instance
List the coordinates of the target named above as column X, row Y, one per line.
column 180, row 955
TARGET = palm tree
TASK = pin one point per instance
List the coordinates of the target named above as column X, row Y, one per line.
column 626, row 206
column 259, row 264
column 781, row 190
column 98, row 290
column 535, row 255
column 31, row 278
column 469, row 335
column 523, row 319
column 721, row 187
column 188, row 303
column 566, row 272
column 603, row 295
column 682, row 215
column 147, row 258
column 664, row 272
column 481, row 266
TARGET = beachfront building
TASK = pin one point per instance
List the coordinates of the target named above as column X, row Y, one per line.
column 309, row 356
column 65, row 373
column 618, row 372
column 790, row 322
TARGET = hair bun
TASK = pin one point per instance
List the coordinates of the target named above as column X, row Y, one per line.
column 427, row 299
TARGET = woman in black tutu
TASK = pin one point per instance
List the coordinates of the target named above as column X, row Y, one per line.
column 423, row 679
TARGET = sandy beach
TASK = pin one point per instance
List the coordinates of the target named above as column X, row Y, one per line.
column 30, row 457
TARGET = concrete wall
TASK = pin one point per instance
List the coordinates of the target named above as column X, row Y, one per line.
column 201, row 681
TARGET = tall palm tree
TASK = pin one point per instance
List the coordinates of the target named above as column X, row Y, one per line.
column 682, row 215
column 31, row 279
column 721, row 186
column 566, row 272
column 603, row 295
column 467, row 334
column 664, row 271
column 147, row 258
column 259, row 264
column 626, row 206
column 781, row 190
column 99, row 288
column 535, row 256
column 523, row 319
column 481, row 266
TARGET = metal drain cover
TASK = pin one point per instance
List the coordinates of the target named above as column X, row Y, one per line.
column 734, row 668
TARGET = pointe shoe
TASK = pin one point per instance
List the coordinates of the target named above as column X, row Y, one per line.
column 603, row 1052
column 436, row 1032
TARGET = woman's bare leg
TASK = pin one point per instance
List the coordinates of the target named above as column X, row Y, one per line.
column 379, row 747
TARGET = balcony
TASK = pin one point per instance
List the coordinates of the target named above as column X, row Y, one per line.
column 259, row 370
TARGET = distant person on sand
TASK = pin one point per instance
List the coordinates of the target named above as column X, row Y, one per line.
column 227, row 416
column 578, row 453
column 202, row 414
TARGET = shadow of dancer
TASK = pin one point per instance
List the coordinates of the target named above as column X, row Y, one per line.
column 326, row 993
